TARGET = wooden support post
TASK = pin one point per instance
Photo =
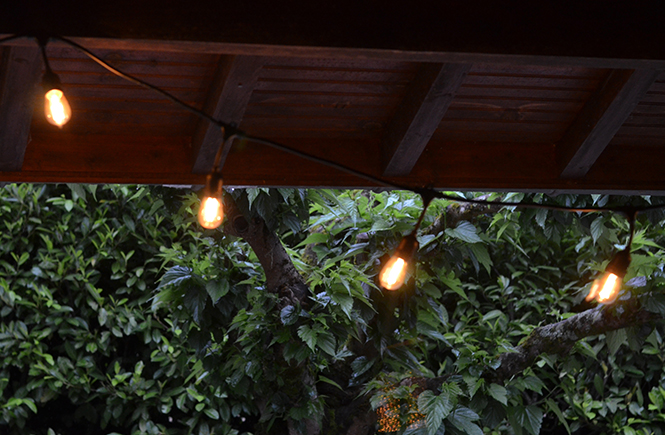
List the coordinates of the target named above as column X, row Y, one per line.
column 600, row 119
column 19, row 78
column 229, row 94
column 419, row 115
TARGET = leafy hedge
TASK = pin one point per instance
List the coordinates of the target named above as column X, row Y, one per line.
column 81, row 350
column 120, row 316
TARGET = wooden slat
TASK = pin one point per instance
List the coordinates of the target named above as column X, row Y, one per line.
column 419, row 115
column 260, row 97
column 19, row 79
column 600, row 119
column 229, row 94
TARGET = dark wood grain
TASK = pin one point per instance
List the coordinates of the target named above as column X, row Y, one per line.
column 418, row 116
column 600, row 119
column 21, row 67
column 229, row 94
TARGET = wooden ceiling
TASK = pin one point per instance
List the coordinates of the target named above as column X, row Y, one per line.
column 488, row 99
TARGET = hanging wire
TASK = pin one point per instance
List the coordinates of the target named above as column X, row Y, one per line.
column 231, row 132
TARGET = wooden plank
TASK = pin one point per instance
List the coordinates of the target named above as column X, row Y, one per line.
column 20, row 76
column 313, row 87
column 600, row 119
column 526, row 82
column 232, row 87
column 260, row 97
column 419, row 115
column 460, row 165
column 133, row 154
column 538, row 94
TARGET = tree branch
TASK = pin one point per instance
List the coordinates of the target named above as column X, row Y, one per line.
column 559, row 338
column 281, row 274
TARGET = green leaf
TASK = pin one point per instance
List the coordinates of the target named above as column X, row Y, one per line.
column 212, row 413
column 462, row 418
column 175, row 276
column 289, row 315
column 308, row 335
column 499, row 393
column 529, row 418
column 655, row 303
column 552, row 405
column 435, row 408
column 314, row 238
column 615, row 339
column 597, row 228
column 361, row 364
column 482, row 255
column 465, row 231
column 217, row 289
column 31, row 404
column 326, row 342
column 330, row 381
column 534, row 384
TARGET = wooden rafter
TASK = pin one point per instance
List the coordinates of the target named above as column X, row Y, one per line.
column 19, row 77
column 419, row 114
column 600, row 119
column 229, row 94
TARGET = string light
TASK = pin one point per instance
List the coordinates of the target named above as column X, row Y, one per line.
column 393, row 274
column 56, row 107
column 606, row 288
column 58, row 112
column 211, row 210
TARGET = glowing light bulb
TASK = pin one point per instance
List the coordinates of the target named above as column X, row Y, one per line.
column 57, row 109
column 211, row 213
column 606, row 288
column 394, row 272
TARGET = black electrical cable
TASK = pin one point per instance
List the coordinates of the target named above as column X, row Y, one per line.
column 231, row 132
column 147, row 85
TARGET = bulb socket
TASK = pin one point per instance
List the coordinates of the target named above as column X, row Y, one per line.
column 407, row 247
column 214, row 185
column 619, row 264
column 50, row 81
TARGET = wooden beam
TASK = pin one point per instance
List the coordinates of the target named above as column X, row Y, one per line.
column 600, row 119
column 418, row 116
column 19, row 76
column 229, row 94
column 479, row 26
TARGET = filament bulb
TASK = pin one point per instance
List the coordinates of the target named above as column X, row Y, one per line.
column 605, row 289
column 57, row 109
column 211, row 213
column 393, row 274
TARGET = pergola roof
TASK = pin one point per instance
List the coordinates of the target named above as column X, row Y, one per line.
column 457, row 96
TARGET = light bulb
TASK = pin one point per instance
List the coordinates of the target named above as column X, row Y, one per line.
column 56, row 107
column 211, row 211
column 394, row 272
column 606, row 288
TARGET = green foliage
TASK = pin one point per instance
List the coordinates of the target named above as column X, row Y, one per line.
column 119, row 313
column 81, row 350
